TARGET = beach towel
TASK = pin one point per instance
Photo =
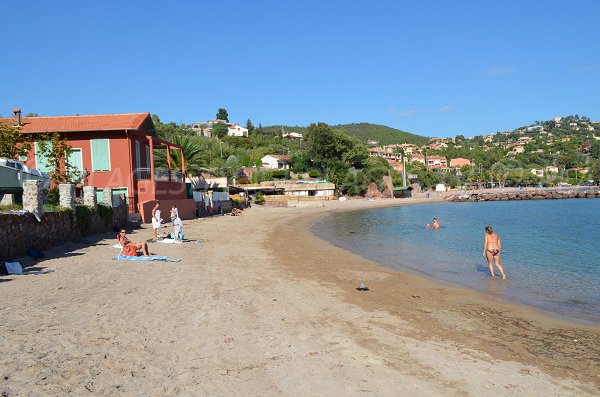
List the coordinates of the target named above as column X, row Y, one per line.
column 122, row 257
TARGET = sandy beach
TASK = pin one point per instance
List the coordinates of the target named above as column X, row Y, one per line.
column 262, row 307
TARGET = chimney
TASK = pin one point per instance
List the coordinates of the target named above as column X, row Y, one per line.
column 17, row 116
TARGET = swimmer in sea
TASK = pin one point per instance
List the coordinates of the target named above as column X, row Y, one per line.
column 491, row 250
column 436, row 224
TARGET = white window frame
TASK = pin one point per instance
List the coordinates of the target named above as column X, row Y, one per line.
column 92, row 153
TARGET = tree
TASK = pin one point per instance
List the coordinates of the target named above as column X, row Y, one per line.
column 222, row 115
column 250, row 126
column 12, row 142
column 193, row 153
column 219, row 130
column 595, row 171
column 57, row 151
column 499, row 172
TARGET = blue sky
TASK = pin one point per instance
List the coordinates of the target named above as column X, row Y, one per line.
column 435, row 68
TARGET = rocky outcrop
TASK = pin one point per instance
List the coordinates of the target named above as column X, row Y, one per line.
column 524, row 195
column 373, row 191
column 388, row 190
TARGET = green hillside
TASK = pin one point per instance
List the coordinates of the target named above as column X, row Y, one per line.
column 364, row 132
column 384, row 135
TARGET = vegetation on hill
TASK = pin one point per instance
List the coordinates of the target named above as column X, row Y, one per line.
column 339, row 153
column 364, row 132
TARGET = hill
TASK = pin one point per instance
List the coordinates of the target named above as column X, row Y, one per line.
column 364, row 132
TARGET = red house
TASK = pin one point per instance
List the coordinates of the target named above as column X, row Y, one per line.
column 118, row 152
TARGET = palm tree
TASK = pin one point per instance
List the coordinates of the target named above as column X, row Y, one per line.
column 195, row 156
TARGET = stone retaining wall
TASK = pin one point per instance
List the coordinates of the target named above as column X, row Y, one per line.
column 524, row 195
column 19, row 232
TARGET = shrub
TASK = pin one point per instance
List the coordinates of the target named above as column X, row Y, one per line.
column 243, row 181
column 314, row 173
column 280, row 174
column 83, row 213
column 259, row 198
column 53, row 196
column 106, row 214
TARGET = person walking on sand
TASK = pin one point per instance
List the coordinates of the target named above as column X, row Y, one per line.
column 491, row 250
column 436, row 224
column 156, row 220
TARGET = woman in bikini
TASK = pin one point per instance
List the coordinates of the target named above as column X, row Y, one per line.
column 129, row 248
column 491, row 250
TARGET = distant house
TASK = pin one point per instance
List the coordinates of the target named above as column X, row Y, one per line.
column 537, row 172
column 459, row 162
column 396, row 165
column 436, row 162
column 293, row 135
column 236, row 130
column 276, row 162
column 204, row 128
column 552, row 169
column 441, row 187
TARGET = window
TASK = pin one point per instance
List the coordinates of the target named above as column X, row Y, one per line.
column 100, row 155
column 75, row 160
column 41, row 161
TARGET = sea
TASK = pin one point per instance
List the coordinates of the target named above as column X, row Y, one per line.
column 550, row 248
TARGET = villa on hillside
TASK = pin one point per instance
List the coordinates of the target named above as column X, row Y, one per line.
column 292, row 135
column 205, row 128
column 114, row 151
column 276, row 161
column 459, row 162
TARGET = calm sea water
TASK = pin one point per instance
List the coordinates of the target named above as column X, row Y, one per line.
column 550, row 248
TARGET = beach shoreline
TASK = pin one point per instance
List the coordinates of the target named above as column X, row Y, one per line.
column 262, row 306
column 487, row 293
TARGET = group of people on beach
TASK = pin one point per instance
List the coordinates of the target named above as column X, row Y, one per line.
column 130, row 248
column 491, row 247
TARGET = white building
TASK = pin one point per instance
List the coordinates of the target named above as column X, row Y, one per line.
column 276, row 162
column 204, row 128
column 236, row 130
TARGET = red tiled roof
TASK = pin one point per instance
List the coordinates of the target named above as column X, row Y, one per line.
column 102, row 122
column 280, row 156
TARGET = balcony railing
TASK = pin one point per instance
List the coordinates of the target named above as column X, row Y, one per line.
column 160, row 175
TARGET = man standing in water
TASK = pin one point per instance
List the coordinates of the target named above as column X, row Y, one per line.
column 491, row 250
column 436, row 224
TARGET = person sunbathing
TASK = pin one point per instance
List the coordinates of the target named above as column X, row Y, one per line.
column 130, row 248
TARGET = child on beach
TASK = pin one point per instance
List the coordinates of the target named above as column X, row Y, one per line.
column 174, row 214
column 177, row 227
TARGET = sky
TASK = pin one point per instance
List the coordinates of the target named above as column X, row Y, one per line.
column 433, row 68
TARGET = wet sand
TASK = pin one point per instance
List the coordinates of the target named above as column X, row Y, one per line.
column 263, row 307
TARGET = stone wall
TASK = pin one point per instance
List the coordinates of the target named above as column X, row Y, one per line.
column 19, row 232
column 524, row 195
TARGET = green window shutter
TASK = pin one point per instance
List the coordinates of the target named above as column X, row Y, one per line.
column 41, row 161
column 100, row 155
column 75, row 160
